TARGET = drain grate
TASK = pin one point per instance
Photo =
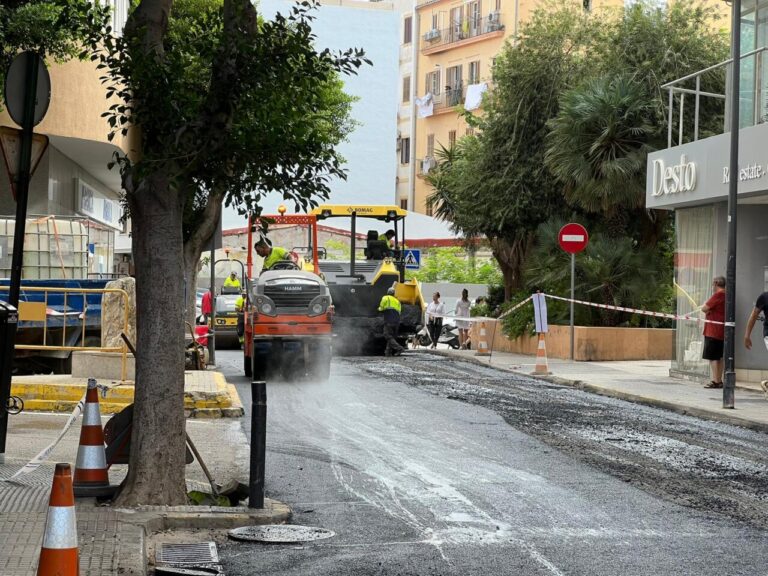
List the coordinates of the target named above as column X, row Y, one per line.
column 186, row 554
column 280, row 533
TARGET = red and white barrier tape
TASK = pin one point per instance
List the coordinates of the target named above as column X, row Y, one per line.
column 637, row 311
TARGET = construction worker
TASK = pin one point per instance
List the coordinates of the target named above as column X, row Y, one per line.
column 232, row 281
column 389, row 238
column 271, row 254
column 240, row 309
column 390, row 306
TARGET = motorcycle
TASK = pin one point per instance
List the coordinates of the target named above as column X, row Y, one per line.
column 449, row 335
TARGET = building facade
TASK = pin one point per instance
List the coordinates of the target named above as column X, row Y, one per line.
column 72, row 180
column 453, row 47
column 691, row 177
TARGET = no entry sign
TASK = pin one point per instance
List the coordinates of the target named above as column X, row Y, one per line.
column 573, row 238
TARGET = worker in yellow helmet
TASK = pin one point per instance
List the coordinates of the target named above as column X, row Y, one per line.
column 391, row 308
column 232, row 281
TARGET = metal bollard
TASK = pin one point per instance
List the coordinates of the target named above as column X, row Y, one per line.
column 258, row 443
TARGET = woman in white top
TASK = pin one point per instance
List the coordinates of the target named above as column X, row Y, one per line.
column 435, row 312
column 462, row 311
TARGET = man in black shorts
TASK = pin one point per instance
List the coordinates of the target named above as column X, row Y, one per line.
column 761, row 307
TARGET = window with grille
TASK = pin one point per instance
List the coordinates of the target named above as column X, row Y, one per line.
column 435, row 22
column 474, row 72
column 407, row 31
column 470, row 131
column 428, row 210
column 430, row 145
column 406, row 89
column 404, row 203
column 452, row 137
column 405, row 150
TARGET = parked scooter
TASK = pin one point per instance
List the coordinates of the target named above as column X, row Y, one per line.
column 449, row 335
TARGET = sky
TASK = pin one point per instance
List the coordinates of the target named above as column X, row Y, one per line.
column 370, row 155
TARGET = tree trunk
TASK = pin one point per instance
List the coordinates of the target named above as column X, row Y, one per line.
column 156, row 474
column 199, row 240
column 511, row 256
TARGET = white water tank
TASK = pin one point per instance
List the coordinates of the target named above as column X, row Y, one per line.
column 53, row 248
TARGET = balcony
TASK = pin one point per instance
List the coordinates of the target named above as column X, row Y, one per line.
column 425, row 165
column 689, row 91
column 450, row 98
column 465, row 32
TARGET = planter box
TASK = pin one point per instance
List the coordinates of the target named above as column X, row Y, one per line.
column 590, row 343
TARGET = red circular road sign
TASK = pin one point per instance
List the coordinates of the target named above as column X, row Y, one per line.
column 573, row 238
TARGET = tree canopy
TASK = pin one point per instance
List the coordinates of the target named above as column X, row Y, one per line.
column 575, row 107
column 225, row 106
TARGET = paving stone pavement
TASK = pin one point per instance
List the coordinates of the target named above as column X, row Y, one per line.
column 105, row 542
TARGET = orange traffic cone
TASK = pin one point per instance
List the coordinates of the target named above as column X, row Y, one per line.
column 91, row 476
column 542, row 368
column 59, row 555
column 482, row 341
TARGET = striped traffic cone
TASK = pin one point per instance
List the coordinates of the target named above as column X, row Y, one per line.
column 542, row 368
column 91, row 476
column 482, row 341
column 59, row 555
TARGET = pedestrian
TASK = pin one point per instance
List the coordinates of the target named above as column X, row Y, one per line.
column 714, row 334
column 761, row 307
column 462, row 311
column 232, row 281
column 206, row 305
column 390, row 306
column 435, row 313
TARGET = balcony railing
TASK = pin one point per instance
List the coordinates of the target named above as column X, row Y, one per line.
column 451, row 96
column 752, row 96
column 425, row 165
column 463, row 30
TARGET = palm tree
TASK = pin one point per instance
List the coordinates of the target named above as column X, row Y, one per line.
column 598, row 144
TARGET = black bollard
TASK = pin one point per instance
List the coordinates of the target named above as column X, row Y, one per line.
column 258, row 443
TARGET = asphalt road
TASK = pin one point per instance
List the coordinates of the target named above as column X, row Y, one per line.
column 423, row 465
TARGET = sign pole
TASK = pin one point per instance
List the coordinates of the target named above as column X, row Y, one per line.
column 733, row 185
column 573, row 296
column 22, row 192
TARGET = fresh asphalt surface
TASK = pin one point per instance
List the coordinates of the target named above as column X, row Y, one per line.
column 423, row 465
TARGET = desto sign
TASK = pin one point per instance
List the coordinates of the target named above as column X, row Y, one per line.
column 673, row 179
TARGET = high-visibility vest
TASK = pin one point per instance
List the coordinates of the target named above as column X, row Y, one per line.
column 230, row 283
column 274, row 257
column 390, row 243
column 390, row 303
column 239, row 304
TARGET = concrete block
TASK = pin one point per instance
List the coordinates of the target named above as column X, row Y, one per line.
column 102, row 365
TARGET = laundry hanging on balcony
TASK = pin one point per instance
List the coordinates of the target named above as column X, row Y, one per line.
column 475, row 95
column 425, row 105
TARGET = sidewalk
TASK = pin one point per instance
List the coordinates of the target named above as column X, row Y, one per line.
column 112, row 542
column 644, row 381
column 206, row 394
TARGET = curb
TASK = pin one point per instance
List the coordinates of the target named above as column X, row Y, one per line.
column 136, row 525
column 702, row 413
column 58, row 397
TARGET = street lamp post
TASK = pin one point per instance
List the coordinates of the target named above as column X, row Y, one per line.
column 729, row 382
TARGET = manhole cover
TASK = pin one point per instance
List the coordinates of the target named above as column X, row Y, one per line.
column 280, row 533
